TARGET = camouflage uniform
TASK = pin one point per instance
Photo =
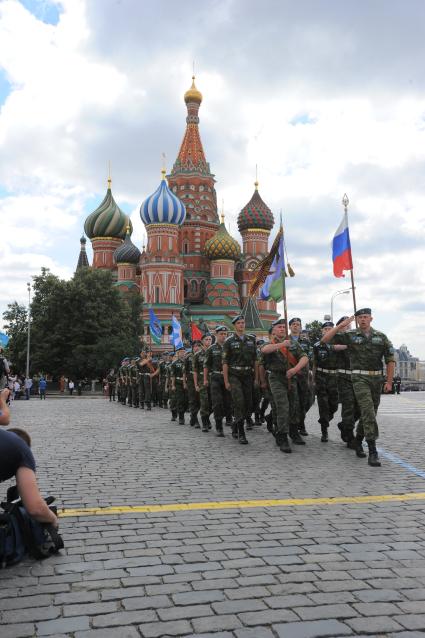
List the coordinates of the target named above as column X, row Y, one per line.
column 204, row 391
column 220, row 397
column 162, row 396
column 126, row 383
column 193, row 396
column 145, row 372
column 171, row 393
column 349, row 409
column 111, row 380
column 302, row 396
column 177, row 376
column 134, row 382
column 366, row 354
column 240, row 354
column 277, row 366
column 326, row 377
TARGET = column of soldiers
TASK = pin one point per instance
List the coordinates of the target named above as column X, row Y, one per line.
column 233, row 377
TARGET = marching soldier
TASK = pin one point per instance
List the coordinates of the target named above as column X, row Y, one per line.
column 178, row 383
column 162, row 400
column 198, row 378
column 111, row 380
column 146, row 371
column 301, row 387
column 134, row 382
column 171, row 389
column 193, row 395
column 366, row 348
column 240, row 367
column 213, row 377
column 126, row 381
column 349, row 410
column 325, row 371
column 283, row 359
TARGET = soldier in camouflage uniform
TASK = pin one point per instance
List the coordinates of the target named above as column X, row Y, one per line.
column 213, row 377
column 198, row 378
column 349, row 409
column 366, row 348
column 161, row 382
column 325, row 369
column 263, row 376
column 240, row 370
column 178, row 383
column 146, row 371
column 122, row 392
column 111, row 381
column 301, row 387
column 283, row 359
column 193, row 396
column 155, row 380
column 133, row 374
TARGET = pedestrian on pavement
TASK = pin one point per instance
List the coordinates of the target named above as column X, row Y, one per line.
column 42, row 385
column 367, row 349
column 240, row 370
column 71, row 386
column 28, row 386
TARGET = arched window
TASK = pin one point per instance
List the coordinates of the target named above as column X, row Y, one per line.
column 185, row 247
column 203, row 287
column 194, row 287
column 157, row 294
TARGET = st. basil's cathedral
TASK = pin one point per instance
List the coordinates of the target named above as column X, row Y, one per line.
column 190, row 259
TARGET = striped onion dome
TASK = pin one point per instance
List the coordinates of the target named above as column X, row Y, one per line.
column 107, row 220
column 256, row 214
column 127, row 252
column 222, row 245
column 162, row 207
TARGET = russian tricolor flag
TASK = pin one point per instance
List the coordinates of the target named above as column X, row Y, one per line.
column 341, row 249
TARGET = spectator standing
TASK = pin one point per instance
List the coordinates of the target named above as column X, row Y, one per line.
column 16, row 394
column 79, row 388
column 62, row 384
column 28, row 386
column 71, row 386
column 42, row 385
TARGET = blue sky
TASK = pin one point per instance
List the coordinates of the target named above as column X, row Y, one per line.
column 325, row 98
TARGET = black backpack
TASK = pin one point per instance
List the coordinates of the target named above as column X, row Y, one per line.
column 21, row 535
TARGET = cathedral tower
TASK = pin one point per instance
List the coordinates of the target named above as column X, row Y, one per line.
column 127, row 258
column 222, row 290
column 192, row 181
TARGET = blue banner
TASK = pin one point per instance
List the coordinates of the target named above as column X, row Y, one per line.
column 176, row 335
column 155, row 327
column 4, row 339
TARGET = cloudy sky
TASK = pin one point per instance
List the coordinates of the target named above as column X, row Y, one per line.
column 326, row 96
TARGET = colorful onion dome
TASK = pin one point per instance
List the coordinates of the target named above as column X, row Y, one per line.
column 256, row 214
column 192, row 94
column 107, row 220
column 162, row 207
column 222, row 245
column 127, row 253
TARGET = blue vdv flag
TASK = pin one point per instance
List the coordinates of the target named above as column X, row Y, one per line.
column 176, row 335
column 155, row 327
column 4, row 339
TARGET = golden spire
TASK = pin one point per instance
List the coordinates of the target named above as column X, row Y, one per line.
column 127, row 228
column 109, row 175
column 163, row 169
column 222, row 211
column 256, row 178
column 193, row 95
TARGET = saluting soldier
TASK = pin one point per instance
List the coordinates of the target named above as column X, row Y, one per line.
column 300, row 389
column 367, row 348
column 193, row 395
column 198, row 378
column 213, row 377
column 263, row 376
column 178, row 383
column 325, row 371
column 283, row 359
column 240, row 367
column 349, row 410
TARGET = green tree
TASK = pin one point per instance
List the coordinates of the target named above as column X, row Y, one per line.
column 315, row 328
column 84, row 326
column 16, row 326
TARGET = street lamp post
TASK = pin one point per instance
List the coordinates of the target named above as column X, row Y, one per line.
column 338, row 292
column 29, row 329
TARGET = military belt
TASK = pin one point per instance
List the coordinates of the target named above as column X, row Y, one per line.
column 371, row 373
column 216, row 372
column 327, row 371
column 241, row 367
column 145, row 374
column 178, row 378
column 344, row 371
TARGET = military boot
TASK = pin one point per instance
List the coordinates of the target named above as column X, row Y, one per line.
column 295, row 435
column 205, row 426
column 351, row 440
column 241, row 433
column 142, row 405
column 209, row 423
column 269, row 422
column 174, row 415
column 219, row 427
column 196, row 423
column 257, row 420
column 324, row 438
column 181, row 418
column 249, row 423
column 343, row 432
column 359, row 447
column 302, row 429
column 234, row 430
column 229, row 421
column 283, row 443
column 373, row 458
column 148, row 406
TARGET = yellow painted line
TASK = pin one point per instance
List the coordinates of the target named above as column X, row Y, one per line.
column 217, row 505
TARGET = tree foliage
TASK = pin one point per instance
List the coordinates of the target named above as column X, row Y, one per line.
column 83, row 326
column 16, row 326
column 315, row 328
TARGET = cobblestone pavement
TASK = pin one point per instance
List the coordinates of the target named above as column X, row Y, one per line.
column 285, row 572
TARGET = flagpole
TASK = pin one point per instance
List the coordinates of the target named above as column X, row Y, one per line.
column 282, row 274
column 345, row 202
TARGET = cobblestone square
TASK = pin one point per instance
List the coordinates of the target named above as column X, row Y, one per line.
column 309, row 568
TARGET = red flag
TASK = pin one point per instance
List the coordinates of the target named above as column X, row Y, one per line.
column 196, row 333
